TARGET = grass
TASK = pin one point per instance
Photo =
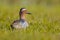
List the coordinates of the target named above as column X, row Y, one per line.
column 44, row 23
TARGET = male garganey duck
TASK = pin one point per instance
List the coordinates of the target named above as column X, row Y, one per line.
column 21, row 23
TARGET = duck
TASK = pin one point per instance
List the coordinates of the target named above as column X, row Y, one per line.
column 21, row 23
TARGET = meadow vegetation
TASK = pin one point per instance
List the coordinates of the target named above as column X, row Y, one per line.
column 44, row 23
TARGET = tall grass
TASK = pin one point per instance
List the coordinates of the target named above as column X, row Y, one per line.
column 44, row 23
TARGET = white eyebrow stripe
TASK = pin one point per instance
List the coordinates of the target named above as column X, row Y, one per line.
column 23, row 9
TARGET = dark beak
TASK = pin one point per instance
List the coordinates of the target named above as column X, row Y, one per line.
column 28, row 13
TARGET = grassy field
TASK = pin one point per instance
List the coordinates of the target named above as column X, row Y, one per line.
column 44, row 23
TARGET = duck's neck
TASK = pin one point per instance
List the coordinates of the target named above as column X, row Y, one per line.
column 22, row 17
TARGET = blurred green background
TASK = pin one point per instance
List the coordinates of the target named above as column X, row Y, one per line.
column 44, row 20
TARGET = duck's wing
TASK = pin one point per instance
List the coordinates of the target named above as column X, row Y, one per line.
column 16, row 24
column 19, row 24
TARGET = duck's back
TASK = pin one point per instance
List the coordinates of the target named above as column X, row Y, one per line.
column 19, row 24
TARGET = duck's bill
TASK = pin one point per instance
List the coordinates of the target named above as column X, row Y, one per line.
column 28, row 13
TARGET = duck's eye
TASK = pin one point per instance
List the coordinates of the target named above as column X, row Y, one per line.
column 25, row 11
